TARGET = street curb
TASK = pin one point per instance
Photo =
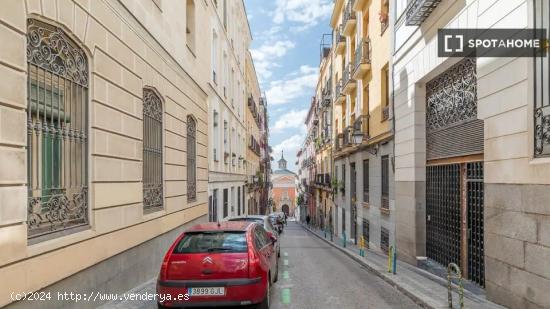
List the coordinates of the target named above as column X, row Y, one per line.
column 419, row 301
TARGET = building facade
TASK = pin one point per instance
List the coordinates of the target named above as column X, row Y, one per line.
column 104, row 147
column 472, row 169
column 362, row 123
column 228, row 100
column 284, row 189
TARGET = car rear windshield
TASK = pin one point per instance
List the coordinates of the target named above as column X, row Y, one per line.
column 204, row 242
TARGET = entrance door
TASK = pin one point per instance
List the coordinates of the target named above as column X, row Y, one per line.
column 353, row 198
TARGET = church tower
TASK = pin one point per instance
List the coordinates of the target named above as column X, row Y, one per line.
column 282, row 162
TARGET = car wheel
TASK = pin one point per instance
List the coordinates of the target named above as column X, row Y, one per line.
column 265, row 303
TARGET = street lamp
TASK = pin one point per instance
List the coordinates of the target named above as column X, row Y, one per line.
column 357, row 137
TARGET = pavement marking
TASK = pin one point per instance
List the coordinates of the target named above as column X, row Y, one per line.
column 285, row 254
column 285, row 274
column 285, row 296
column 285, row 262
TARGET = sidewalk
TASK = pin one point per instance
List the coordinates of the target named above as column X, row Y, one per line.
column 423, row 287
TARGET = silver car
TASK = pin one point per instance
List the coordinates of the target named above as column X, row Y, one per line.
column 267, row 226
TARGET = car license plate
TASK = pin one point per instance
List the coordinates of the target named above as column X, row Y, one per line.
column 213, row 291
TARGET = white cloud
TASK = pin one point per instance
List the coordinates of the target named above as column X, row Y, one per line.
column 299, row 84
column 291, row 120
column 290, row 147
column 306, row 13
column 265, row 56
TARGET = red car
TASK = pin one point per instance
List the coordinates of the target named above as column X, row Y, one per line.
column 219, row 264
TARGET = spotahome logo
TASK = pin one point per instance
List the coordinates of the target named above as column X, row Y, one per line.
column 492, row 42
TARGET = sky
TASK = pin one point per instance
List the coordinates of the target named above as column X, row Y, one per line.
column 285, row 48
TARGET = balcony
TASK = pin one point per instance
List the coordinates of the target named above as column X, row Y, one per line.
column 418, row 11
column 348, row 138
column 385, row 113
column 340, row 42
column 348, row 82
column 339, row 96
column 361, row 126
column 327, row 97
column 349, row 20
column 362, row 59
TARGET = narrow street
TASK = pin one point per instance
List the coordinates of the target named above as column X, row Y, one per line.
column 313, row 274
column 320, row 276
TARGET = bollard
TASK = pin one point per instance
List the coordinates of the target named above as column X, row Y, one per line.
column 362, row 246
column 390, row 254
column 453, row 268
column 344, row 239
column 394, row 260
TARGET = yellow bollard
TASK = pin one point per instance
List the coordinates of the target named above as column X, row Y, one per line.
column 390, row 255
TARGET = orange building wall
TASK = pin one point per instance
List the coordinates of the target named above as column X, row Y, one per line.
column 277, row 194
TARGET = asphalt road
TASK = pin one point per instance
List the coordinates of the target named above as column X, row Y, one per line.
column 312, row 275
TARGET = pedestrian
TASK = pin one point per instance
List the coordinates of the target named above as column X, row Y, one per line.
column 307, row 220
column 286, row 219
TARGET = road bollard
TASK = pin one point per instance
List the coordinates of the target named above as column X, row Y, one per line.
column 394, row 260
column 362, row 246
column 344, row 239
column 390, row 253
column 453, row 268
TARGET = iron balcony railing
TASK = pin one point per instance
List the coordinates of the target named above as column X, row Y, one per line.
column 349, row 13
column 362, row 53
column 361, row 125
column 346, row 75
column 338, row 90
column 418, row 11
column 340, row 38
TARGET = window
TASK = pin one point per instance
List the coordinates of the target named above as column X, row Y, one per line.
column 225, row 203
column 239, row 201
column 152, row 150
column 541, row 112
column 214, row 56
column 385, row 183
column 384, row 240
column 385, row 78
column 366, row 232
column 214, row 207
column 57, row 113
column 215, row 137
column 190, row 24
column 366, row 173
column 191, row 159
column 225, row 142
column 211, row 242
column 384, row 16
column 343, row 179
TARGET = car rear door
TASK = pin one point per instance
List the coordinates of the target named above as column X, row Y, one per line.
column 209, row 255
column 267, row 251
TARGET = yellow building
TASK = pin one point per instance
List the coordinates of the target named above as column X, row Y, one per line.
column 363, row 145
column 322, row 128
column 254, row 120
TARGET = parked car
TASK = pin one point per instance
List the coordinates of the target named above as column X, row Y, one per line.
column 266, row 223
column 219, row 264
column 277, row 222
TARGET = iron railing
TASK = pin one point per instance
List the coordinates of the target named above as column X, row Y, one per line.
column 191, row 159
column 385, row 201
column 346, row 75
column 338, row 90
column 57, row 131
column 418, row 11
column 152, row 151
column 349, row 13
column 362, row 53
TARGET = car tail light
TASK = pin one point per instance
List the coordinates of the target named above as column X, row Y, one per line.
column 164, row 266
column 253, row 259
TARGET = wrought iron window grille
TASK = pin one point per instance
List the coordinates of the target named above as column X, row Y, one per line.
column 153, row 196
column 57, row 131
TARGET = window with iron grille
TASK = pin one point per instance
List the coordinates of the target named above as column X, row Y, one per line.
column 384, row 240
column 225, row 202
column 366, row 173
column 343, row 187
column 152, row 151
column 57, row 134
column 191, row 159
column 541, row 113
column 366, row 234
column 385, row 183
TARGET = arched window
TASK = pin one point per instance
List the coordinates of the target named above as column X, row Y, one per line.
column 57, row 131
column 191, row 159
column 152, row 151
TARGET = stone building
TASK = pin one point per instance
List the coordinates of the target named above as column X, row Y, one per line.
column 472, row 170
column 362, row 123
column 284, row 189
column 104, row 126
column 228, row 99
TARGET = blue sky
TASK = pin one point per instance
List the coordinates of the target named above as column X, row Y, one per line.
column 285, row 49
